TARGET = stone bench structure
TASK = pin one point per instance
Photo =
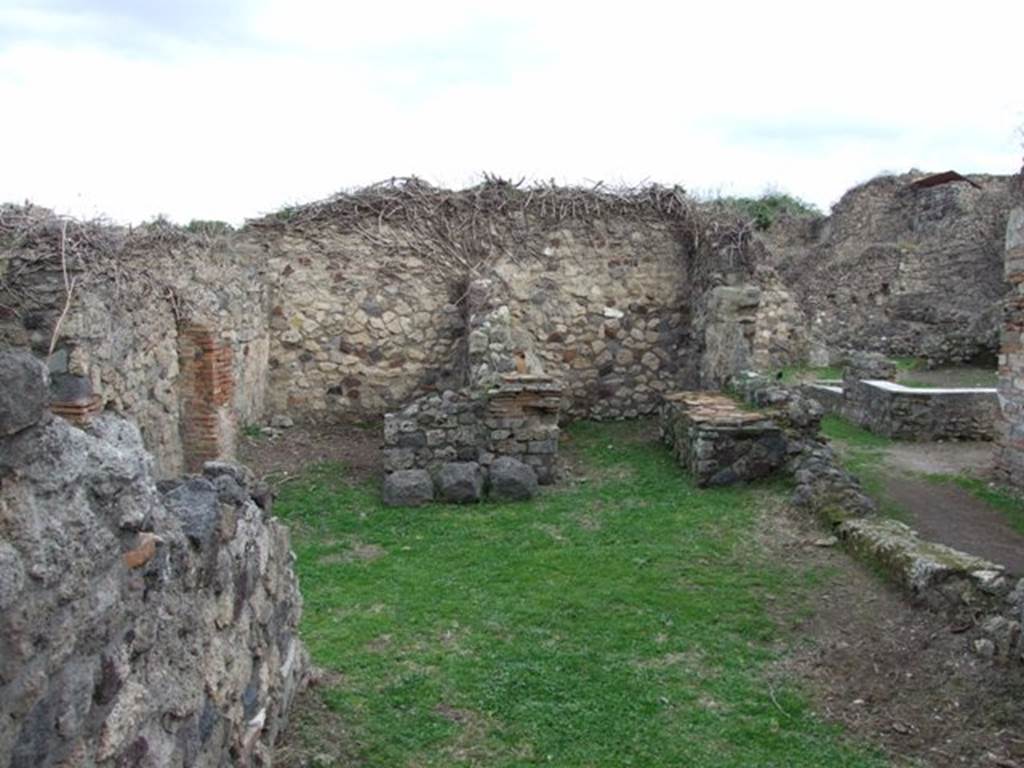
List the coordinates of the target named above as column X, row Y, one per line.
column 719, row 442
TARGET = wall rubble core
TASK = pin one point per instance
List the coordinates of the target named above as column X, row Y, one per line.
column 140, row 624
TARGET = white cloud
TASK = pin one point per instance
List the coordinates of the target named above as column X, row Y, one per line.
column 226, row 111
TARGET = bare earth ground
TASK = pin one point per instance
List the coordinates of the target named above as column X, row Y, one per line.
column 888, row 673
column 288, row 452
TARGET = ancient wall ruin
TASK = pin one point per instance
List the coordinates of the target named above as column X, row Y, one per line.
column 901, row 266
column 1010, row 461
column 108, row 308
column 354, row 306
column 140, row 625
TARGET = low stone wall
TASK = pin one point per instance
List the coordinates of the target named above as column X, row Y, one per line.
column 719, row 443
column 978, row 594
column 518, row 419
column 910, row 413
column 139, row 626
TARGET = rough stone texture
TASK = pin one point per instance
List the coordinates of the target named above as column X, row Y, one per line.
column 911, row 413
column 928, row 570
column 408, row 488
column 1010, row 458
column 460, row 482
column 900, row 269
column 511, row 480
column 978, row 594
column 133, row 290
column 717, row 442
column 25, row 392
column 518, row 418
column 137, row 629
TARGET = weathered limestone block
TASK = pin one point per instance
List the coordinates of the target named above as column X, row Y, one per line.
column 408, row 488
column 921, row 566
column 512, row 480
column 460, row 482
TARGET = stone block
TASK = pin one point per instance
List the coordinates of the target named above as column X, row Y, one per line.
column 512, row 480
column 24, row 391
column 407, row 488
column 460, row 482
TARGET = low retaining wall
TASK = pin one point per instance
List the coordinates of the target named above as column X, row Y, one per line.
column 910, row 413
column 978, row 594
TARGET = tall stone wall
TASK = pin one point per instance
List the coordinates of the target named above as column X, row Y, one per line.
column 372, row 298
column 356, row 328
column 1010, row 458
column 900, row 268
column 139, row 625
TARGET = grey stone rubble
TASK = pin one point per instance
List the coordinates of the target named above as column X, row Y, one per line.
column 138, row 626
column 512, row 480
column 408, row 488
column 517, row 418
column 25, row 394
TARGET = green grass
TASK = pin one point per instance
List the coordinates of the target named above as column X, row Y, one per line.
column 618, row 622
column 252, row 431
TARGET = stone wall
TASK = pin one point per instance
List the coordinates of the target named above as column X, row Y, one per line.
column 367, row 315
column 1010, row 459
column 900, row 268
column 517, row 419
column 132, row 293
column 909, row 413
column 139, row 625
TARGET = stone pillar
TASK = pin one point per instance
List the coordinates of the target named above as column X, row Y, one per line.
column 1010, row 457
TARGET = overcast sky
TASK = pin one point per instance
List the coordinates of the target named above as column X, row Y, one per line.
column 231, row 109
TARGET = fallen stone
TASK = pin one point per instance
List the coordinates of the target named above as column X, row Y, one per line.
column 512, row 480
column 24, row 391
column 460, row 482
column 408, row 488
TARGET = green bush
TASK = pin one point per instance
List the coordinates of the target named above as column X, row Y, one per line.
column 765, row 210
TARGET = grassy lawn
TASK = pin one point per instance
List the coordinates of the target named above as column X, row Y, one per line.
column 629, row 620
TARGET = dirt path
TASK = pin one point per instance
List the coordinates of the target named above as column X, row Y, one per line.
column 945, row 512
column 949, row 514
column 283, row 453
column 892, row 674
